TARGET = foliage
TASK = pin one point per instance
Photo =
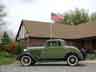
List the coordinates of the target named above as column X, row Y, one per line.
column 6, row 39
column 2, row 15
column 5, row 54
column 19, row 48
column 10, row 46
column 78, row 16
column 15, row 48
column 5, row 42
column 93, row 16
column 91, row 56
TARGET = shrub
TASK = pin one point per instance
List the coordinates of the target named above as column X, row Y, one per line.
column 14, row 47
column 19, row 48
column 5, row 42
column 5, row 54
column 91, row 56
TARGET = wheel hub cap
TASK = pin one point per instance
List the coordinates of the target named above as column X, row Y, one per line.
column 25, row 60
column 72, row 60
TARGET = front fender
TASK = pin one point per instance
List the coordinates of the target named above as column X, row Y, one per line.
column 18, row 57
column 35, row 58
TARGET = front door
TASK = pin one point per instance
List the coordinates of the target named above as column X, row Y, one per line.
column 54, row 50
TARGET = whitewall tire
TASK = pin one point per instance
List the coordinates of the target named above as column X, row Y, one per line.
column 72, row 60
column 26, row 60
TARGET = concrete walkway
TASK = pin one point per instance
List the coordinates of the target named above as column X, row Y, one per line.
column 89, row 61
column 50, row 67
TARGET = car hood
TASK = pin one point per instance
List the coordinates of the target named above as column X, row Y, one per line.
column 69, row 46
column 39, row 47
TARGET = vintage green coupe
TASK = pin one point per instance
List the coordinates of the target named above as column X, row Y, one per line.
column 54, row 50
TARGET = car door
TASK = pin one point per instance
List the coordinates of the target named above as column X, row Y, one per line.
column 54, row 50
column 43, row 53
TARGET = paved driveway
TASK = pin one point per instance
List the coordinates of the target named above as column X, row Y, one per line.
column 49, row 67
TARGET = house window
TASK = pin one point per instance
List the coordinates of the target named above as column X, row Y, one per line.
column 88, row 44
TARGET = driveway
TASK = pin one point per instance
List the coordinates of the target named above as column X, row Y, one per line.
column 49, row 67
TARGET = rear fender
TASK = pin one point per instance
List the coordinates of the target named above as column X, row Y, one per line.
column 73, row 51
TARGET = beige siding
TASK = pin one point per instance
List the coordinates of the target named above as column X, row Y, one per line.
column 22, row 33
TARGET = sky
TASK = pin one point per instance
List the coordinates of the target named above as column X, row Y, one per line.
column 40, row 10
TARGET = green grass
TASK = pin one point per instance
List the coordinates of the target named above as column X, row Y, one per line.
column 6, row 58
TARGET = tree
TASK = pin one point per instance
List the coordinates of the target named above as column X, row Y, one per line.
column 93, row 17
column 2, row 16
column 76, row 17
column 6, row 39
column 5, row 42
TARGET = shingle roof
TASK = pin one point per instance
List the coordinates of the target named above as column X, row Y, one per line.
column 42, row 29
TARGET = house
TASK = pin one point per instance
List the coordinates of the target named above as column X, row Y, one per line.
column 35, row 33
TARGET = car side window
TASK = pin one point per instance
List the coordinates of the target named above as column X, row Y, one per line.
column 59, row 43
column 48, row 44
column 52, row 43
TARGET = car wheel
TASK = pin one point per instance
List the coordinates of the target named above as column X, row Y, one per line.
column 72, row 60
column 26, row 60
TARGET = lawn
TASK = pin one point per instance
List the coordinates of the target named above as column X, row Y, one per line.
column 6, row 58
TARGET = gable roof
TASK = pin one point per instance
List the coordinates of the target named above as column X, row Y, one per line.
column 42, row 29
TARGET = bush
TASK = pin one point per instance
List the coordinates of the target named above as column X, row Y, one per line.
column 5, row 54
column 4, row 47
column 19, row 48
column 5, row 42
column 13, row 47
column 91, row 56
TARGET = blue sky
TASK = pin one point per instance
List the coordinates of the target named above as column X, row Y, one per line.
column 40, row 9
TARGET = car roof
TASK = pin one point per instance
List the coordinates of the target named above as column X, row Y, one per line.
column 55, row 40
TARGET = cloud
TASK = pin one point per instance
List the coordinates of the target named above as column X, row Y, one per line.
column 28, row 1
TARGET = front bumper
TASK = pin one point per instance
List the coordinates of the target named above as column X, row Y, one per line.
column 18, row 57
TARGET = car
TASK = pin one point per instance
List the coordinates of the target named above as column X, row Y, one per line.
column 53, row 50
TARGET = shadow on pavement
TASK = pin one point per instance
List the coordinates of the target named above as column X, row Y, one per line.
column 79, row 65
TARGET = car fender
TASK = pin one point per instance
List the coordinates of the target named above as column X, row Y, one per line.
column 73, row 51
column 26, row 53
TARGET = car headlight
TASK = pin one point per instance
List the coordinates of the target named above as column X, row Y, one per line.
column 25, row 49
